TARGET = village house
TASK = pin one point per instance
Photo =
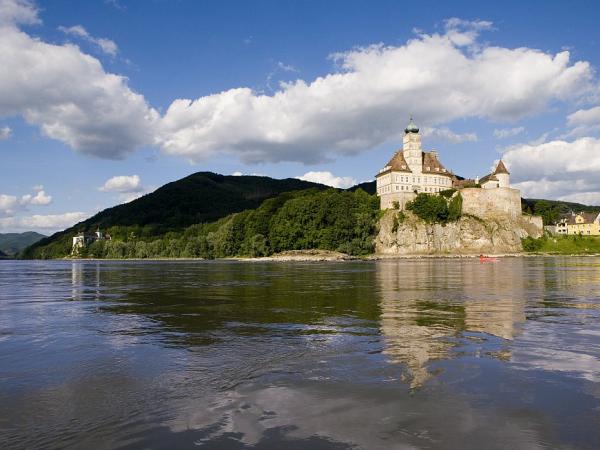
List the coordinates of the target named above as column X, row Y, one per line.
column 583, row 223
column 82, row 240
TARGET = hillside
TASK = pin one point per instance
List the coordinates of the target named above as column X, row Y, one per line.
column 13, row 243
column 550, row 210
column 331, row 220
column 368, row 186
column 198, row 198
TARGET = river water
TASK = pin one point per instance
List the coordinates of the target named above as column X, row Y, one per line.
column 392, row 354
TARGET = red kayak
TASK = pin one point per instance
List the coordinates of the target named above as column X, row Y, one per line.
column 487, row 259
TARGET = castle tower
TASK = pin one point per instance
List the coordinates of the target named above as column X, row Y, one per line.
column 502, row 174
column 411, row 146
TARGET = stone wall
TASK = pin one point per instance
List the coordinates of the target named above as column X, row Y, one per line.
column 491, row 203
column 387, row 200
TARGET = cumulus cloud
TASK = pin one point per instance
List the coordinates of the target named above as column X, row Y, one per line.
column 40, row 198
column 504, row 133
column 129, row 187
column 5, row 133
column 14, row 12
column 42, row 223
column 67, row 93
column 584, row 121
column 11, row 204
column 363, row 103
column 106, row 45
column 328, row 179
column 564, row 170
column 123, row 183
column 359, row 105
column 448, row 135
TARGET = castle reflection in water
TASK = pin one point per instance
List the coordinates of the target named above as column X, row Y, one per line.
column 427, row 305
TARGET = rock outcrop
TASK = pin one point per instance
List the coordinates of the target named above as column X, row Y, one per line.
column 403, row 233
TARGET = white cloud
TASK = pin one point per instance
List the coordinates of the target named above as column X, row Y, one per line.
column 129, row 187
column 286, row 67
column 11, row 204
column 564, row 170
column 328, row 179
column 73, row 99
column 13, row 12
column 362, row 105
column 584, row 121
column 43, row 223
column 8, row 205
column 504, row 133
column 40, row 198
column 5, row 133
column 106, row 45
column 448, row 135
column 123, row 184
column 67, row 93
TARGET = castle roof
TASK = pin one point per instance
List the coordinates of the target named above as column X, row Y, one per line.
column 431, row 164
column 501, row 168
column 488, row 177
column 411, row 127
column 397, row 163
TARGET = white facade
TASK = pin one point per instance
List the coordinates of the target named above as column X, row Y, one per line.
column 411, row 171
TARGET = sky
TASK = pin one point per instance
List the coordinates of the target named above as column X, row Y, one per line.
column 105, row 100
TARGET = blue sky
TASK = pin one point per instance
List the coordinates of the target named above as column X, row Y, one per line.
column 103, row 101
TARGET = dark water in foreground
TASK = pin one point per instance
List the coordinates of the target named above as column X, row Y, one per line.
column 376, row 355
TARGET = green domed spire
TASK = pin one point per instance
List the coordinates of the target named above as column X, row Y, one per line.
column 411, row 127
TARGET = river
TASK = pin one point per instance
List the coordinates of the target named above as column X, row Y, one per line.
column 391, row 354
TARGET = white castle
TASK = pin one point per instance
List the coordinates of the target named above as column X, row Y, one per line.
column 411, row 171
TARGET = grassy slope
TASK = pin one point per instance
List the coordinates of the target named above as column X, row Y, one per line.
column 565, row 245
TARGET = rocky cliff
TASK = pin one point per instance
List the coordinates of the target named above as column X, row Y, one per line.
column 409, row 235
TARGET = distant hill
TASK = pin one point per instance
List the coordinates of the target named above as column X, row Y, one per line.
column 13, row 243
column 200, row 197
column 369, row 187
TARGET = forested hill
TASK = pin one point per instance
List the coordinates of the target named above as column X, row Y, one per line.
column 13, row 243
column 197, row 198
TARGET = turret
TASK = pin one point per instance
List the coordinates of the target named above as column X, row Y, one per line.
column 411, row 146
column 502, row 174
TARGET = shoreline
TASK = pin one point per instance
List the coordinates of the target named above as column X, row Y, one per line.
column 325, row 256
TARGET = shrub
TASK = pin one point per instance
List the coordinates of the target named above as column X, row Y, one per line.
column 531, row 244
column 455, row 208
column 448, row 193
column 430, row 208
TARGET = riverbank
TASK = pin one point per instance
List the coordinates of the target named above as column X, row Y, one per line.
column 324, row 255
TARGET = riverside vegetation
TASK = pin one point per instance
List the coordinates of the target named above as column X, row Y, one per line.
column 207, row 215
column 311, row 219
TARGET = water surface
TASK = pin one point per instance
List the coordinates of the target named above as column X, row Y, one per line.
column 432, row 353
